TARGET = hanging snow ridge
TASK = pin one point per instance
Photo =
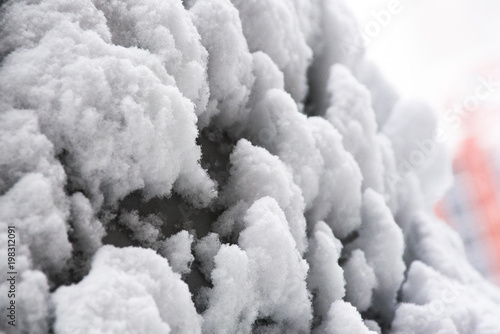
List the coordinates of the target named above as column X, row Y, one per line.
column 254, row 174
column 286, row 46
column 230, row 63
column 351, row 113
column 381, row 240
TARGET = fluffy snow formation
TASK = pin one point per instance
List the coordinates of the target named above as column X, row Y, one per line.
column 220, row 166
column 134, row 284
column 259, row 277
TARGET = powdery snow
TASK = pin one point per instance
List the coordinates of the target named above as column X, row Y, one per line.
column 220, row 166
column 128, row 290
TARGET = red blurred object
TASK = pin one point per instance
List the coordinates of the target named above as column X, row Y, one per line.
column 481, row 182
column 472, row 206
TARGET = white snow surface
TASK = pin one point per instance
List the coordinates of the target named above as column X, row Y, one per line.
column 130, row 290
column 220, row 166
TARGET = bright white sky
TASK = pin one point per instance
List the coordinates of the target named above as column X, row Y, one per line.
column 432, row 43
column 433, row 48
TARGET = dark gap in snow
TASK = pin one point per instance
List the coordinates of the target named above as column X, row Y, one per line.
column 350, row 238
column 372, row 314
column 399, row 295
column 79, row 265
column 196, row 282
column 343, row 258
column 216, row 146
column 118, row 236
column 259, row 326
column 70, row 187
column 175, row 213
column 188, row 3
column 317, row 318
column 311, row 105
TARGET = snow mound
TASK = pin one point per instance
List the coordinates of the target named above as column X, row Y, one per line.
column 128, row 290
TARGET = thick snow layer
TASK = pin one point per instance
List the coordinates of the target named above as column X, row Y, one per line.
column 220, row 166
column 230, row 62
column 30, row 207
column 351, row 113
column 86, row 232
column 286, row 46
column 165, row 29
column 128, row 290
column 263, row 278
column 412, row 128
column 276, row 266
column 433, row 303
column 254, row 174
column 343, row 318
column 340, row 209
column 26, row 150
column 25, row 23
column 114, row 114
column 277, row 126
column 325, row 279
column 381, row 240
column 232, row 307
column 334, row 37
column 360, row 280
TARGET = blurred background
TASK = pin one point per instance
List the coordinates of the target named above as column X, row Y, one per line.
column 448, row 53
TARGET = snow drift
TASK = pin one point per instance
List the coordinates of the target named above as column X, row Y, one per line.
column 220, row 167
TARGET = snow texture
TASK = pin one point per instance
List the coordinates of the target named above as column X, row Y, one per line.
column 261, row 278
column 381, row 240
column 340, row 209
column 433, row 303
column 325, row 279
column 351, row 113
column 128, row 290
column 360, row 281
column 231, row 306
column 177, row 249
column 165, row 29
column 205, row 250
column 220, row 166
column 114, row 114
column 277, row 126
column 412, row 129
column 277, row 267
column 343, row 318
column 230, row 64
column 286, row 46
column 255, row 173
